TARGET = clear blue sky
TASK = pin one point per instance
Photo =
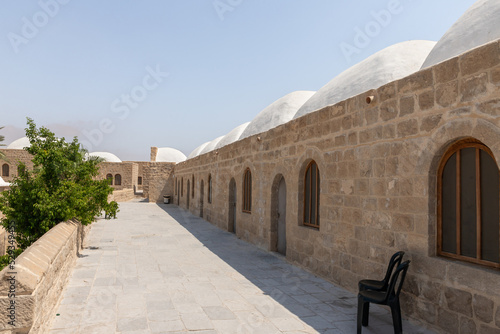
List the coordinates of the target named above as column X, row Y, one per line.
column 70, row 66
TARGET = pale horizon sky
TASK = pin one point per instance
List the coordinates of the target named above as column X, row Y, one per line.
column 127, row 75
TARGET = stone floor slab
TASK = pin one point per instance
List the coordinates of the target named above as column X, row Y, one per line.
column 159, row 269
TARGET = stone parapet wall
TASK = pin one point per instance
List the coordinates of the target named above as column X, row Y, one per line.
column 123, row 195
column 41, row 273
column 378, row 187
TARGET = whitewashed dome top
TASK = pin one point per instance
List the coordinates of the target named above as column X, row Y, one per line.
column 168, row 154
column 19, row 144
column 479, row 25
column 233, row 136
column 211, row 146
column 392, row 63
column 106, row 156
column 277, row 113
column 196, row 151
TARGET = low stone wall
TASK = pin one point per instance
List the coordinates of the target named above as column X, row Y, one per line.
column 40, row 275
column 123, row 195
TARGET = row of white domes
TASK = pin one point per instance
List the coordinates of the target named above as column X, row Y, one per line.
column 165, row 154
column 477, row 26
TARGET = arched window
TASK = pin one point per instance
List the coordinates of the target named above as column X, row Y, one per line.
column 247, row 191
column 176, row 185
column 192, row 189
column 109, row 177
column 311, row 195
column 209, row 188
column 468, row 204
column 182, row 187
column 5, row 170
column 118, row 180
column 139, row 180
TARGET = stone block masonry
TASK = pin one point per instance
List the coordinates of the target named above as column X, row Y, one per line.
column 40, row 274
column 378, row 166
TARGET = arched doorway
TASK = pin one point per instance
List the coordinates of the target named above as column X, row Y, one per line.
column 231, row 227
column 278, row 215
column 202, row 194
column 187, row 197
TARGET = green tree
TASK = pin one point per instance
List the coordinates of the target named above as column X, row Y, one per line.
column 62, row 186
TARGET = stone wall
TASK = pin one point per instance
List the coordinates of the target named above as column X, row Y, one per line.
column 41, row 272
column 158, row 180
column 127, row 170
column 123, row 195
column 140, row 171
column 12, row 158
column 378, row 164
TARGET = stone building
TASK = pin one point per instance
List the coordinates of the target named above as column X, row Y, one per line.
column 399, row 152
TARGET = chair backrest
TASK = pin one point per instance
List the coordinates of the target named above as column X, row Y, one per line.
column 394, row 262
column 395, row 285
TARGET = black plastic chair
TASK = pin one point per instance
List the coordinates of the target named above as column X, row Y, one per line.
column 382, row 285
column 389, row 297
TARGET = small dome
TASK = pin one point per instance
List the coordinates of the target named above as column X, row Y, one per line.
column 211, row 146
column 19, row 144
column 167, row 154
column 479, row 25
column 106, row 156
column 196, row 151
column 3, row 183
column 392, row 63
column 277, row 113
column 232, row 136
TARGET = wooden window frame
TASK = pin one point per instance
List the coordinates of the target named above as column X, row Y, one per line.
column 247, row 191
column 119, row 182
column 209, row 194
column 6, row 167
column 316, row 226
column 456, row 148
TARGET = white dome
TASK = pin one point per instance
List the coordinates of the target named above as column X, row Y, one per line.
column 232, row 136
column 3, row 183
column 167, row 154
column 106, row 156
column 19, row 144
column 277, row 113
column 211, row 145
column 196, row 151
column 479, row 25
column 392, row 63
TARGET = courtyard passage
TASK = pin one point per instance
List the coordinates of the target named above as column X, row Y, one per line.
column 159, row 269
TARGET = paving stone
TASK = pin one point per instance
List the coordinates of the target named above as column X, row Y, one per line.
column 160, row 271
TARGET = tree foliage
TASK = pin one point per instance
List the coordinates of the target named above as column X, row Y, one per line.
column 2, row 156
column 62, row 186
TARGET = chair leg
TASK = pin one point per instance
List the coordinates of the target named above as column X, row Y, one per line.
column 360, row 314
column 396, row 317
column 366, row 313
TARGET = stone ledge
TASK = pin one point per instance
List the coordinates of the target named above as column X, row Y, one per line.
column 41, row 272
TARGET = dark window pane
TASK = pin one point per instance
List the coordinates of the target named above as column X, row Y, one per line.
column 449, row 206
column 307, row 197
column 468, row 214
column 489, row 209
column 313, row 193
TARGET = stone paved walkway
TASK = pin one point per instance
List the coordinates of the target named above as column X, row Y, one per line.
column 158, row 269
